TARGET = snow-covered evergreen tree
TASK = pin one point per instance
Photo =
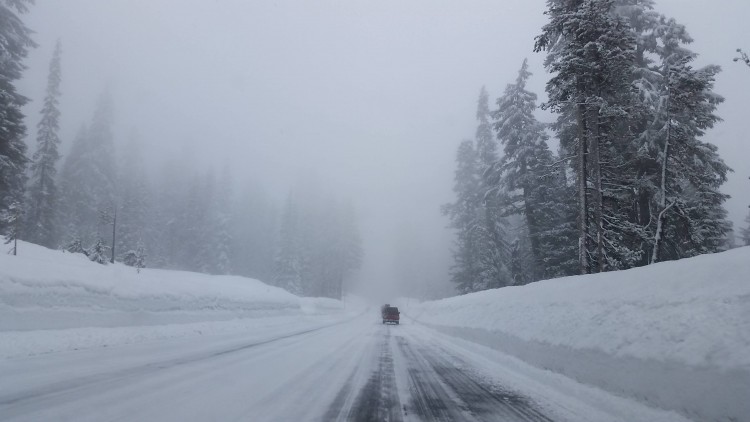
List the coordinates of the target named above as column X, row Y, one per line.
column 319, row 244
column 169, row 215
column 490, row 226
column 289, row 258
column 194, row 232
column 347, row 248
column 691, row 170
column 590, row 53
column 99, row 251
column 675, row 105
column 88, row 176
column 75, row 245
column 15, row 41
column 41, row 224
column 14, row 218
column 745, row 231
column 222, row 239
column 136, row 257
column 73, row 198
column 134, row 199
column 254, row 224
column 527, row 178
column 463, row 214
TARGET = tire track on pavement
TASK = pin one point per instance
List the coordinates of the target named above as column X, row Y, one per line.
column 442, row 391
column 378, row 399
column 106, row 378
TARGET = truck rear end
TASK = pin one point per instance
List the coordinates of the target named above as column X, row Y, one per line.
column 390, row 315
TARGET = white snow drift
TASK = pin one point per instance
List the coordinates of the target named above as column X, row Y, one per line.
column 51, row 301
column 674, row 334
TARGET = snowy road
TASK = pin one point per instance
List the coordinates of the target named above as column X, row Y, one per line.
column 355, row 370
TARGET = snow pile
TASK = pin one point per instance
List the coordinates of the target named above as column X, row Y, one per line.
column 675, row 334
column 52, row 301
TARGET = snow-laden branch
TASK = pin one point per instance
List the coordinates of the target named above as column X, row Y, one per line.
column 742, row 57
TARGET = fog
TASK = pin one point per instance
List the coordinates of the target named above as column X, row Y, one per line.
column 370, row 98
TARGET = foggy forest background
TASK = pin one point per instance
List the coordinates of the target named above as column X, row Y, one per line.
column 631, row 179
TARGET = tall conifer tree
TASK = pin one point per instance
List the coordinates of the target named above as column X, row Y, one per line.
column 41, row 225
column 89, row 176
column 15, row 42
column 490, row 227
column 464, row 214
column 590, row 52
column 527, row 177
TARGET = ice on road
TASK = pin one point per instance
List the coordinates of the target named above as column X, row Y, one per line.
column 354, row 370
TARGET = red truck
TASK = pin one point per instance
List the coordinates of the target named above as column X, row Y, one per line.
column 390, row 314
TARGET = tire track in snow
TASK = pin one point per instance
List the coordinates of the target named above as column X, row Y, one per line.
column 108, row 378
column 377, row 400
column 441, row 391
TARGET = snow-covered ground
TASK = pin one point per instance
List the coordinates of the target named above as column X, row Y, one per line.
column 52, row 301
column 675, row 335
column 88, row 342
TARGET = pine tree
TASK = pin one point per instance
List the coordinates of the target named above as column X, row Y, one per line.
column 221, row 221
column 136, row 257
column 75, row 246
column 169, row 215
column 194, row 230
column 640, row 171
column 98, row 252
column 463, row 215
column 88, row 176
column 691, row 170
column 254, row 226
column 675, row 106
column 134, row 202
column 73, row 209
column 289, row 258
column 13, row 221
column 590, row 53
column 745, row 231
column 103, row 182
column 348, row 251
column 528, row 177
column 490, row 227
column 41, row 224
column 15, row 41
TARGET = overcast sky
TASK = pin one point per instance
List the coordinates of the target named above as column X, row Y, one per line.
column 371, row 96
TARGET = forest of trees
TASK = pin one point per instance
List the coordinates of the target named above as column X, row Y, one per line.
column 633, row 181
column 102, row 202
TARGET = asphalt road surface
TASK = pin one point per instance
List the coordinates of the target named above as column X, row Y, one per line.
column 355, row 370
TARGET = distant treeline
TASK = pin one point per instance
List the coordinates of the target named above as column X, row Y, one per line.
column 103, row 203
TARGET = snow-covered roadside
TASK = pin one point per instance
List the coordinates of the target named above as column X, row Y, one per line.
column 675, row 335
column 52, row 301
column 15, row 344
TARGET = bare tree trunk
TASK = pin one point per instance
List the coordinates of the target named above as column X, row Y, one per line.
column 581, row 182
column 596, row 174
column 538, row 272
column 662, row 203
column 498, row 263
column 663, row 185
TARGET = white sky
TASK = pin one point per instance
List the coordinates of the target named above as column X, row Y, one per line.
column 372, row 96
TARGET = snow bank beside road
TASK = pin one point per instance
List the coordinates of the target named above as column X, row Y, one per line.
column 52, row 301
column 675, row 334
